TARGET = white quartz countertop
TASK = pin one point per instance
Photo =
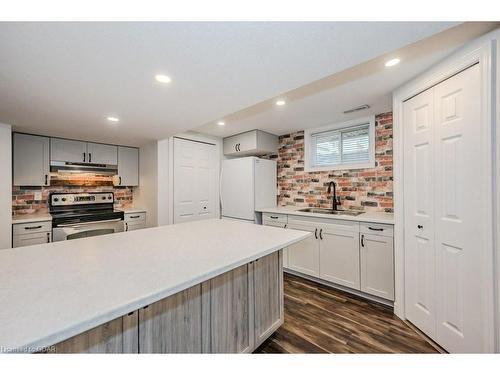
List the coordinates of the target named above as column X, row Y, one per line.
column 54, row 291
column 368, row 217
column 131, row 210
column 31, row 218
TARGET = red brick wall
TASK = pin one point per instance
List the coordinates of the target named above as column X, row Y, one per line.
column 23, row 198
column 359, row 189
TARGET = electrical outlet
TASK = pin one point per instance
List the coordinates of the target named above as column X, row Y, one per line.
column 38, row 195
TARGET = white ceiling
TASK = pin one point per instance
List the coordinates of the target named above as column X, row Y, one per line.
column 65, row 78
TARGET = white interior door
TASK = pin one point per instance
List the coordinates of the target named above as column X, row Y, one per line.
column 444, row 221
column 195, row 179
column 460, row 247
column 418, row 115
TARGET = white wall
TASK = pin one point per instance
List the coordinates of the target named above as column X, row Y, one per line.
column 152, row 194
column 5, row 186
column 145, row 195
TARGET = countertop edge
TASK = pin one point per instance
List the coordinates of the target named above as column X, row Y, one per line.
column 105, row 317
column 361, row 218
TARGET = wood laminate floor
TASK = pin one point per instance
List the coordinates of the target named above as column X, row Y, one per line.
column 319, row 319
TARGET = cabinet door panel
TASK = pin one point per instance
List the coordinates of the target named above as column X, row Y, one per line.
column 31, row 239
column 68, row 150
column 172, row 325
column 268, row 282
column 106, row 338
column 339, row 258
column 102, row 154
column 303, row 256
column 128, row 166
column 231, row 312
column 30, row 160
column 377, row 266
column 279, row 224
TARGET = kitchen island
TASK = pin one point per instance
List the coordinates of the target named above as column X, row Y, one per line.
column 208, row 286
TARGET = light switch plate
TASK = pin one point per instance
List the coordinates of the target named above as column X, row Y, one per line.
column 38, row 195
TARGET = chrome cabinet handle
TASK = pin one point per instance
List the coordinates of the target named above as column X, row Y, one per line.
column 316, row 233
column 321, row 234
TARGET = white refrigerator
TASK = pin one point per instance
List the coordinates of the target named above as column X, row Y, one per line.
column 247, row 184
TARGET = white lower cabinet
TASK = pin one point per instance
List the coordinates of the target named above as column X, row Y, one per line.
column 31, row 233
column 134, row 221
column 353, row 254
column 279, row 221
column 377, row 265
column 303, row 256
column 339, row 257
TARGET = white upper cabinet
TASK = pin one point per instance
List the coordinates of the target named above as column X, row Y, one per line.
column 128, row 166
column 98, row 153
column 254, row 142
column 68, row 150
column 31, row 160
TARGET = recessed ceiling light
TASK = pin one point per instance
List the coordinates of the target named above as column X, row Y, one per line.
column 112, row 119
column 162, row 78
column 221, row 123
column 280, row 102
column 392, row 62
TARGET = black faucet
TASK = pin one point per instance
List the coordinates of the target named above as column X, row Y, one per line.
column 334, row 196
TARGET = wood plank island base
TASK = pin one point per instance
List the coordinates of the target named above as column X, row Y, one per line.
column 231, row 313
column 203, row 287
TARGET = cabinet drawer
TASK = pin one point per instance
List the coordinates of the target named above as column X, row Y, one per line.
column 36, row 227
column 137, row 216
column 274, row 218
column 328, row 225
column 31, row 239
column 378, row 229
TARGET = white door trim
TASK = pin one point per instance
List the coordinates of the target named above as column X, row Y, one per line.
column 480, row 51
column 195, row 137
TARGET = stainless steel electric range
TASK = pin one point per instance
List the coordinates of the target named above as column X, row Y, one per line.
column 83, row 215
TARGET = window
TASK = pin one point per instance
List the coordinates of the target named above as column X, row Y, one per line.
column 349, row 145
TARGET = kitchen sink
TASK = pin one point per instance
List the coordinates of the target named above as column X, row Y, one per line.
column 330, row 212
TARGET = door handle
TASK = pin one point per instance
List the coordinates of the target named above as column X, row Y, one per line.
column 377, row 229
column 135, row 217
column 316, row 233
column 420, row 226
column 126, row 227
column 362, row 240
column 119, row 180
column 273, row 217
column 321, row 234
column 48, row 237
column 90, row 157
column 46, row 179
column 285, row 226
column 84, row 157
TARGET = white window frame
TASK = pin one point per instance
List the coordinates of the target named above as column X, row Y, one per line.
column 308, row 157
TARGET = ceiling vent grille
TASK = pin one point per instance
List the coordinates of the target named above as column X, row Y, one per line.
column 360, row 108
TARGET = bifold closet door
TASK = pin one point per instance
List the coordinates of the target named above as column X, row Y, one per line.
column 444, row 223
column 419, row 181
column 460, row 222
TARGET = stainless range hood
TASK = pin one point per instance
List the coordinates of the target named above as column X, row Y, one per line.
column 66, row 166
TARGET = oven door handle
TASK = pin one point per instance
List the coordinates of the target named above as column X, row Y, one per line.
column 88, row 222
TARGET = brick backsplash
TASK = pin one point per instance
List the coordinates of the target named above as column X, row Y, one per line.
column 359, row 189
column 23, row 197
